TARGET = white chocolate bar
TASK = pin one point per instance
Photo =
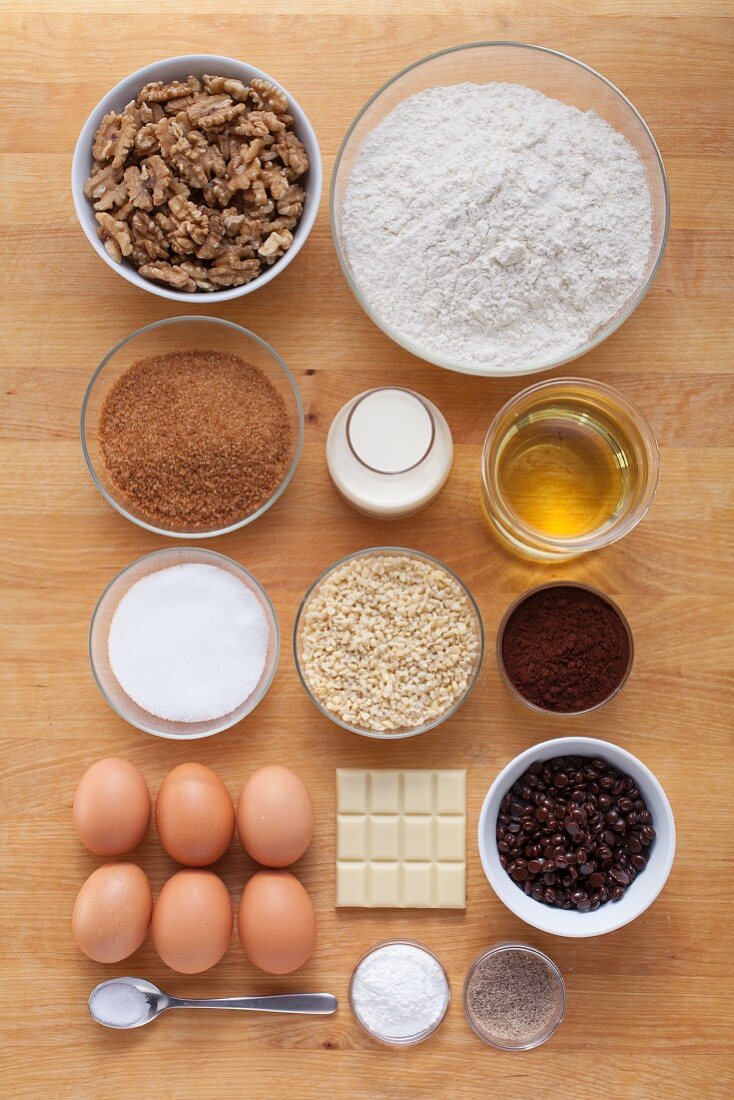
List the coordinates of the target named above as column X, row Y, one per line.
column 401, row 839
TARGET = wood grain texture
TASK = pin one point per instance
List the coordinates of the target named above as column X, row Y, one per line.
column 650, row 1006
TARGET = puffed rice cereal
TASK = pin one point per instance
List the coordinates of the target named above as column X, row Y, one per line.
column 388, row 643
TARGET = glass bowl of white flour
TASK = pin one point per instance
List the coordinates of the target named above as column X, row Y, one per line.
column 499, row 208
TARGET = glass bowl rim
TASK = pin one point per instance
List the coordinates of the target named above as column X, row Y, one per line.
column 446, row 362
column 513, row 945
column 384, row 551
column 541, row 588
column 422, row 1036
column 185, row 319
column 592, row 540
column 226, row 722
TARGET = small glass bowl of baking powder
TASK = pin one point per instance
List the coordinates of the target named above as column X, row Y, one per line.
column 399, row 992
column 514, row 997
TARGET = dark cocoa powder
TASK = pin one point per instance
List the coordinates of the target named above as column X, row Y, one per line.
column 565, row 648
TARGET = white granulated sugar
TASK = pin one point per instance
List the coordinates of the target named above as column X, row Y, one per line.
column 399, row 991
column 496, row 226
column 188, row 643
column 119, row 1004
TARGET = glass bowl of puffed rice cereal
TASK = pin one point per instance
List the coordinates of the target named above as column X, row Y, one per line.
column 388, row 642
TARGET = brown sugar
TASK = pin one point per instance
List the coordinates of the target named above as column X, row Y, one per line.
column 195, row 439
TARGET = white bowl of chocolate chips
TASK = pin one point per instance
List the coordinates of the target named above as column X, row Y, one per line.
column 576, row 837
column 197, row 177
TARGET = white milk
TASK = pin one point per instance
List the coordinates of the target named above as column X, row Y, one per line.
column 389, row 452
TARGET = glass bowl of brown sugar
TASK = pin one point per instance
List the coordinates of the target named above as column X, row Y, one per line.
column 192, row 427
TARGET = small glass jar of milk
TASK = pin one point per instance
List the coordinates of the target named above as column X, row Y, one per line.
column 389, row 452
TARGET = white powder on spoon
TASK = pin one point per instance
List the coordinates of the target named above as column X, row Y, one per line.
column 496, row 226
column 188, row 643
column 119, row 1004
column 399, row 991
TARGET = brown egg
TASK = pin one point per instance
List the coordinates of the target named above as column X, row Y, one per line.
column 275, row 817
column 276, row 922
column 194, row 815
column 192, row 921
column 111, row 807
column 112, row 912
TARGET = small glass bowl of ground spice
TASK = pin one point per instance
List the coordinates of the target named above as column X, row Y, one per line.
column 564, row 648
column 192, row 427
column 514, row 997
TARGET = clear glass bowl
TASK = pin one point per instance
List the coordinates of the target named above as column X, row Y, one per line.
column 592, row 400
column 555, row 75
column 542, row 1036
column 182, row 334
column 389, row 551
column 501, row 661
column 399, row 1041
column 99, row 629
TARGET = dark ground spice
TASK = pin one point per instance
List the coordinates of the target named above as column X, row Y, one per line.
column 195, row 439
column 565, row 649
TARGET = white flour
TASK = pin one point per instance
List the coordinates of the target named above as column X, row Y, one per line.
column 493, row 225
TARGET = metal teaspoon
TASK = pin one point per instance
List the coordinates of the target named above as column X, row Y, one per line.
column 156, row 1001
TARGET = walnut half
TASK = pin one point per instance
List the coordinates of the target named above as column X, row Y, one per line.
column 115, row 236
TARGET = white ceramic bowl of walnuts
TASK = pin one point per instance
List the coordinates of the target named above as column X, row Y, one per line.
column 199, row 190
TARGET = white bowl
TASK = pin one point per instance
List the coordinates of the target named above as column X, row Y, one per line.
column 173, row 68
column 642, row 891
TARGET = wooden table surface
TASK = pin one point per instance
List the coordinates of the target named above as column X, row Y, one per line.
column 649, row 1010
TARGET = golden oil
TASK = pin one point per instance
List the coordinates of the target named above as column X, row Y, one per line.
column 567, row 464
column 563, row 475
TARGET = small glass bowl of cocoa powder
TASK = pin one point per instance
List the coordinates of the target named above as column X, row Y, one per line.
column 564, row 648
column 192, row 427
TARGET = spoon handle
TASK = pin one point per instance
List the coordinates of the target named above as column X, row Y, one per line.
column 318, row 1004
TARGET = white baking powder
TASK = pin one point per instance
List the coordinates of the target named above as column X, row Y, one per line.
column 496, row 226
column 119, row 1004
column 399, row 991
column 188, row 643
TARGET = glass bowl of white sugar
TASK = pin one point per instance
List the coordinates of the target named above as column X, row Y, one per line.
column 499, row 208
column 184, row 643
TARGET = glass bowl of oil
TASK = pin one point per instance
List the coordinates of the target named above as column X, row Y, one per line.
column 569, row 466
